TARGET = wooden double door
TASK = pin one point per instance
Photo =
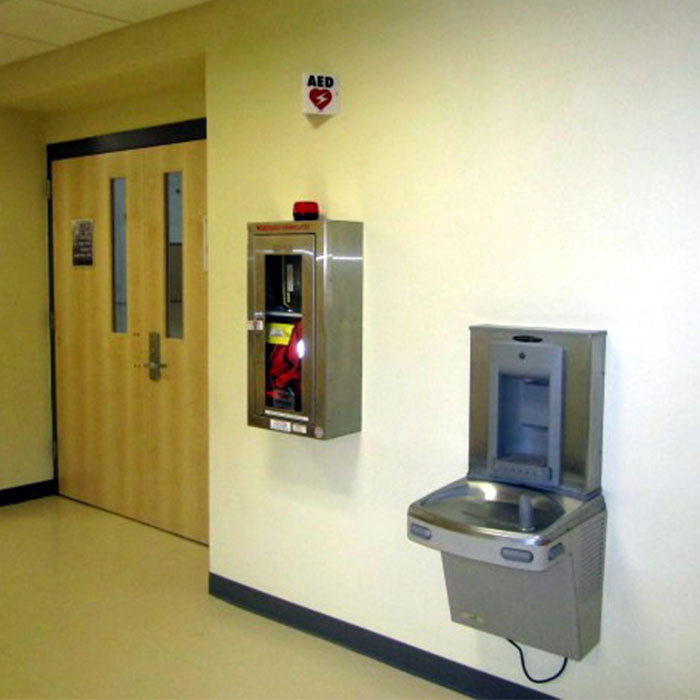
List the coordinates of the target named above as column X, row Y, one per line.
column 130, row 300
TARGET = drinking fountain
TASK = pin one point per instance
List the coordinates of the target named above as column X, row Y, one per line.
column 522, row 536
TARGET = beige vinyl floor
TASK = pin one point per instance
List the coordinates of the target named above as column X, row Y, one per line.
column 93, row 605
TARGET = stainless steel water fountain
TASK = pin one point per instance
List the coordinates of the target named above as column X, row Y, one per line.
column 523, row 535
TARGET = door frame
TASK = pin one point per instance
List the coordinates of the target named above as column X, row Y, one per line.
column 161, row 135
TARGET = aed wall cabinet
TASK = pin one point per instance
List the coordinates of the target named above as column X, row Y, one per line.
column 305, row 327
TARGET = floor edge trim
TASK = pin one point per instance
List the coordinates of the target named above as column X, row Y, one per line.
column 426, row 665
column 28, row 492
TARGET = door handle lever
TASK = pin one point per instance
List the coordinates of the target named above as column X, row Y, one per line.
column 154, row 364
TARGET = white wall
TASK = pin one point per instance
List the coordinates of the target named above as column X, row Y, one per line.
column 514, row 162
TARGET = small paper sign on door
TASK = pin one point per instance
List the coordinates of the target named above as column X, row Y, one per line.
column 320, row 94
column 83, row 231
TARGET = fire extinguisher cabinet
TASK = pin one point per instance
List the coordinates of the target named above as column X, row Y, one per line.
column 305, row 327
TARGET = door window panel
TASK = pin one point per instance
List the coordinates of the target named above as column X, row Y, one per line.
column 119, row 289
column 173, row 255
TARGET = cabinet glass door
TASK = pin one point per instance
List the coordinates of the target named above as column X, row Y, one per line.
column 284, row 288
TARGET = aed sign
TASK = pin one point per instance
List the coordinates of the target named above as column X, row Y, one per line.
column 320, row 94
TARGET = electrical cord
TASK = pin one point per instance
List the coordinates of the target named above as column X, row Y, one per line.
column 529, row 677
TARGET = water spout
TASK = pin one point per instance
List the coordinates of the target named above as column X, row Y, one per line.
column 526, row 513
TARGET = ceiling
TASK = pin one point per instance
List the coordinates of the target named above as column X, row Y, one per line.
column 32, row 27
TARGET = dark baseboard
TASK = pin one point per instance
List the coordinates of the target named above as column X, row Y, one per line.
column 431, row 667
column 18, row 494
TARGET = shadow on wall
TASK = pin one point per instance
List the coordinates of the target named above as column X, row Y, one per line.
column 314, row 464
column 318, row 120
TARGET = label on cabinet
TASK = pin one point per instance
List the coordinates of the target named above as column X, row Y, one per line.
column 283, row 426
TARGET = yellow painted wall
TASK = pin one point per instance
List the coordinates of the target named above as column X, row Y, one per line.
column 515, row 161
column 25, row 418
column 522, row 162
column 163, row 107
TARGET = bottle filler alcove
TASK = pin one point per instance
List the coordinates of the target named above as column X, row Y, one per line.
column 305, row 327
column 522, row 536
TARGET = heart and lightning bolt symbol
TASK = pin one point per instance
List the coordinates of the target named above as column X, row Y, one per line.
column 321, row 97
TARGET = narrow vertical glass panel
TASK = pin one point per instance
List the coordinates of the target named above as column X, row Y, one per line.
column 119, row 291
column 173, row 255
column 283, row 331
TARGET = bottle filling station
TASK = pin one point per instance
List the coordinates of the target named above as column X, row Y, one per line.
column 522, row 536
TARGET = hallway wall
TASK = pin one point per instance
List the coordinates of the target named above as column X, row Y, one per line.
column 163, row 107
column 517, row 162
column 25, row 418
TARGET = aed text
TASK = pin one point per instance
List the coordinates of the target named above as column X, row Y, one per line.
column 325, row 81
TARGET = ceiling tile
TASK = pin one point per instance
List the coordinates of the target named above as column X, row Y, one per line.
column 51, row 23
column 129, row 10
column 15, row 49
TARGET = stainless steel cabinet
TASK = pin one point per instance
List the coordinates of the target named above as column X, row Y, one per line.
column 305, row 327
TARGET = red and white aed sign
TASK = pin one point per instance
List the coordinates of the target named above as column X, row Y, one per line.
column 320, row 94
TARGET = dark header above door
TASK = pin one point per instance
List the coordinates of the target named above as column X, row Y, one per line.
column 191, row 130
